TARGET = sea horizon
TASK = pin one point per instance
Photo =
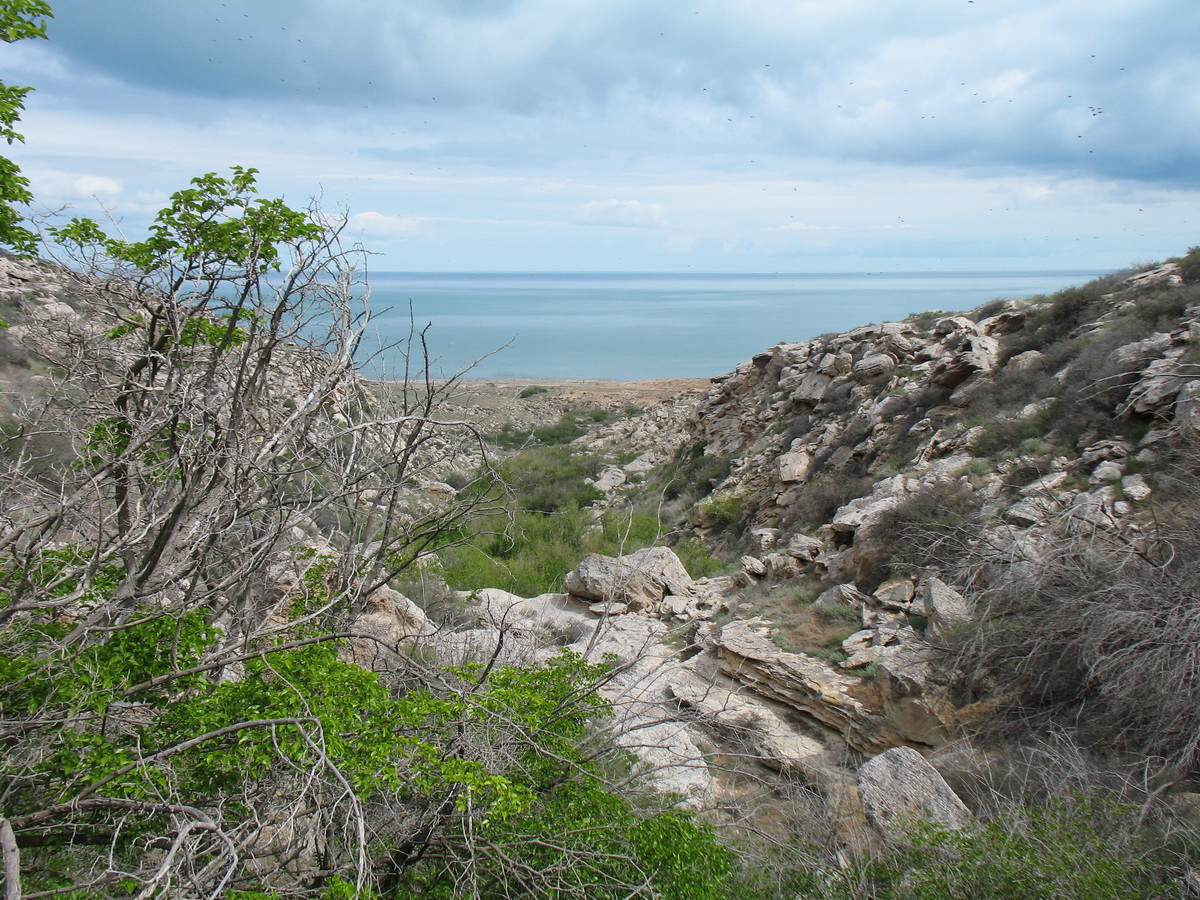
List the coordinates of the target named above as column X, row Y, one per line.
column 632, row 326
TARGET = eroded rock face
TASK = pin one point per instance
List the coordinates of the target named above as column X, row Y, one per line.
column 393, row 623
column 645, row 719
column 911, row 698
column 770, row 731
column 803, row 683
column 899, row 786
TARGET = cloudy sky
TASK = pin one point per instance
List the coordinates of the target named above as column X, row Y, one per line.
column 644, row 135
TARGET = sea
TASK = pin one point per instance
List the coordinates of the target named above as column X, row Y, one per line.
column 631, row 327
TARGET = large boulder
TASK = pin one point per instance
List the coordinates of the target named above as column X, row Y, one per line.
column 964, row 356
column 913, row 700
column 555, row 615
column 385, row 626
column 796, row 465
column 873, row 366
column 900, row 787
column 639, row 580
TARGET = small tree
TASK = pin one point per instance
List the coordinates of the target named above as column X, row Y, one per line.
column 19, row 20
column 222, row 498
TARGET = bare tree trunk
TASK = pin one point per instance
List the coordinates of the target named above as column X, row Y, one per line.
column 12, row 861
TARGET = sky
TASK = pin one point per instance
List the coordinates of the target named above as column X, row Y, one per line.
column 643, row 135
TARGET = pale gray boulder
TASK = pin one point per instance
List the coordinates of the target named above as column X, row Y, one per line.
column 899, row 787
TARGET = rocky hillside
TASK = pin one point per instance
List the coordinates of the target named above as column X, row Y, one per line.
column 1030, row 405
column 949, row 543
column 889, row 490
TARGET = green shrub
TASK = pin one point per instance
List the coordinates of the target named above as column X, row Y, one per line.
column 548, row 479
column 1082, row 849
column 726, row 512
column 529, row 556
column 697, row 559
column 565, row 430
column 1189, row 265
column 532, row 391
column 1053, row 852
column 977, row 467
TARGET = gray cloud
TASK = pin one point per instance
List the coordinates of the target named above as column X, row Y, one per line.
column 1056, row 86
column 473, row 131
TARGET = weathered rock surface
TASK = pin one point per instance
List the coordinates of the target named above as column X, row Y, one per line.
column 900, row 786
column 770, row 731
column 803, row 683
column 640, row 579
column 945, row 607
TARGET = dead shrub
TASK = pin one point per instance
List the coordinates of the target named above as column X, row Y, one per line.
column 1100, row 638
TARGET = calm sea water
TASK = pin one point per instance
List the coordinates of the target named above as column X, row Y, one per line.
column 629, row 327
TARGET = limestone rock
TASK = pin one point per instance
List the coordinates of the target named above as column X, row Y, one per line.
column 895, row 594
column 1106, row 473
column 609, row 479
column 944, row 606
column 803, row 683
column 1140, row 351
column 767, row 729
column 439, row 489
column 752, row 566
column 884, row 497
column 640, row 579
column 966, row 355
column 644, row 720
column 551, row 614
column 874, row 365
column 953, row 324
column 764, row 538
column 795, row 465
column 392, row 621
column 1135, row 488
column 809, row 388
column 911, row 698
column 1023, row 362
column 804, row 548
column 1187, row 407
column 1158, row 387
column 899, row 786
column 1045, row 484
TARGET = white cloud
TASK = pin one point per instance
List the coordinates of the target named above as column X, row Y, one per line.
column 376, row 224
column 622, row 212
column 66, row 186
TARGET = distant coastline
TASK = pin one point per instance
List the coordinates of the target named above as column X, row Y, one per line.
column 640, row 326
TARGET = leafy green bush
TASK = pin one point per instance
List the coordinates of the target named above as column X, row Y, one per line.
column 529, row 555
column 548, row 479
column 565, row 430
column 697, row 559
column 1049, row 852
column 726, row 512
column 532, row 391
